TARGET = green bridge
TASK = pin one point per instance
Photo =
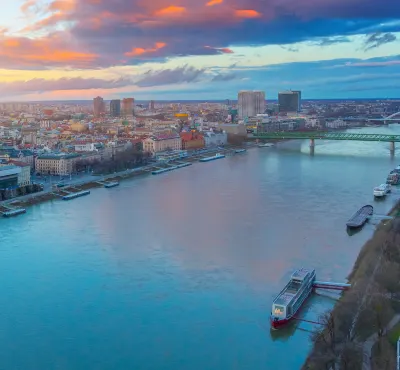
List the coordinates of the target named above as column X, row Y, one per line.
column 312, row 136
column 326, row 136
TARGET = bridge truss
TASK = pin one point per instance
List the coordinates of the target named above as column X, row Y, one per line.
column 326, row 136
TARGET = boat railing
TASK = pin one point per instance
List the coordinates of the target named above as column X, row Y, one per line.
column 301, row 288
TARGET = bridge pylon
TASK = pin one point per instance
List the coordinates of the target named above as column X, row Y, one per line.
column 392, row 147
column 312, row 143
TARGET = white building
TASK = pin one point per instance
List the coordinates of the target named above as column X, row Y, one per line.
column 24, row 177
column 215, row 138
column 161, row 143
column 84, row 147
column 250, row 103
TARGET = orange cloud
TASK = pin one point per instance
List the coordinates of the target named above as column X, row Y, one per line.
column 140, row 51
column 11, row 43
column 214, row 2
column 170, row 11
column 62, row 6
column 221, row 50
column 247, row 13
column 46, row 51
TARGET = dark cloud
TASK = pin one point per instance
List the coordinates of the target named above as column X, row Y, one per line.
column 170, row 76
column 105, row 33
column 223, row 77
column 327, row 41
column 377, row 39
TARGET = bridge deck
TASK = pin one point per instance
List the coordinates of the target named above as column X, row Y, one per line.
column 327, row 136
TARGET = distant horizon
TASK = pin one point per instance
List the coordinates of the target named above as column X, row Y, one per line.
column 88, row 101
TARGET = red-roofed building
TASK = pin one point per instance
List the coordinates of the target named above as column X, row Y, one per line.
column 192, row 140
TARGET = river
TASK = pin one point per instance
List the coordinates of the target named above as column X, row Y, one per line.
column 178, row 271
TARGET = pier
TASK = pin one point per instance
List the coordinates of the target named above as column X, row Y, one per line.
column 331, row 285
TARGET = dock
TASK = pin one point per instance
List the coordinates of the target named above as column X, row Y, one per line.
column 8, row 211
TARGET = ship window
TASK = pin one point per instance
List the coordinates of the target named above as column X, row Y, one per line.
column 278, row 310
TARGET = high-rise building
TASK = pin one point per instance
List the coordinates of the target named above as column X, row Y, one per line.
column 250, row 103
column 128, row 106
column 151, row 106
column 289, row 101
column 98, row 106
column 299, row 99
column 115, row 108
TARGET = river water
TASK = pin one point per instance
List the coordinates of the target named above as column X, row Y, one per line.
column 178, row 271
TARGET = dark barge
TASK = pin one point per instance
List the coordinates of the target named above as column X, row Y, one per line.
column 360, row 217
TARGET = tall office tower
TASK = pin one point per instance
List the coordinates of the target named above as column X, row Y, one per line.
column 250, row 103
column 289, row 101
column 98, row 106
column 299, row 99
column 115, row 108
column 151, row 105
column 127, row 106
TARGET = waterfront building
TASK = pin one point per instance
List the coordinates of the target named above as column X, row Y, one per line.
column 24, row 177
column 192, row 140
column 98, row 106
column 115, row 108
column 159, row 143
column 128, row 107
column 9, row 177
column 212, row 138
column 250, row 103
column 56, row 163
column 289, row 101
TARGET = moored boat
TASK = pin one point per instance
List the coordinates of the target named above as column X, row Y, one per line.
column 393, row 179
column 292, row 297
column 381, row 190
column 240, row 151
column 266, row 145
column 213, row 158
column 360, row 217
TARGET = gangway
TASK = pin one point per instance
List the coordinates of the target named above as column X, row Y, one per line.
column 398, row 354
column 331, row 285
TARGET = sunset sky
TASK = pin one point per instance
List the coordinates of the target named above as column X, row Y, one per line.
column 198, row 49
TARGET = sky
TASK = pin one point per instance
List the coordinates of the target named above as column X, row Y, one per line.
column 198, row 49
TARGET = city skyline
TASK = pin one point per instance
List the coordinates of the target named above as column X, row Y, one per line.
column 76, row 49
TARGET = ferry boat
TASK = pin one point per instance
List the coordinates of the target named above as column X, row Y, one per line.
column 237, row 151
column 266, row 145
column 381, row 190
column 393, row 179
column 292, row 297
column 213, row 158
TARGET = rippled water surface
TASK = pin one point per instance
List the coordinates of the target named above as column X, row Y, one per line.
column 178, row 271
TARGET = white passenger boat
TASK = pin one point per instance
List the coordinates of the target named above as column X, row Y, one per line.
column 382, row 190
column 292, row 297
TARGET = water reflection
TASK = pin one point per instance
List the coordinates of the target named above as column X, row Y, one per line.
column 191, row 260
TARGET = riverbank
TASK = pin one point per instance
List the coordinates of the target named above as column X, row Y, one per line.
column 98, row 180
column 358, row 333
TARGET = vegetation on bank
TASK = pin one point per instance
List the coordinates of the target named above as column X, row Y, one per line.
column 359, row 320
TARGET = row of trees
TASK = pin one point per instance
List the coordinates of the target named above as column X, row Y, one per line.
column 363, row 311
column 23, row 190
column 127, row 159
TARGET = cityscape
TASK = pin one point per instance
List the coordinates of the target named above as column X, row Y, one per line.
column 200, row 185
